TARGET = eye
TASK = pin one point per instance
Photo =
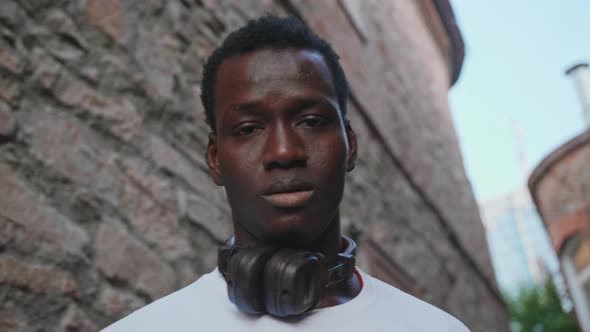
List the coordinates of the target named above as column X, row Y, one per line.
column 314, row 121
column 246, row 130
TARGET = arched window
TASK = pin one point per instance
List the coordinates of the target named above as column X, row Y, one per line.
column 575, row 260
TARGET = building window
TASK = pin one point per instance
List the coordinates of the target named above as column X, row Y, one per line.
column 575, row 259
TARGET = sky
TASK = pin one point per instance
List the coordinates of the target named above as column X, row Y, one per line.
column 513, row 84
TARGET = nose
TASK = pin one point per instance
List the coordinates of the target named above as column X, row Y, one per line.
column 284, row 149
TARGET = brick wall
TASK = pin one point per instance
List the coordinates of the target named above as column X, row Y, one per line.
column 105, row 201
column 561, row 187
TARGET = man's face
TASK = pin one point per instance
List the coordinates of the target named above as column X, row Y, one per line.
column 281, row 146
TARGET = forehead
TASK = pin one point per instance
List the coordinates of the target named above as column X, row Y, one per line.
column 272, row 71
column 277, row 64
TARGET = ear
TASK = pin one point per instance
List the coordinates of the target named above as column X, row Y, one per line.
column 352, row 146
column 212, row 160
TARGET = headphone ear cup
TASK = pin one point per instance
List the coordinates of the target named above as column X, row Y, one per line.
column 244, row 277
column 292, row 282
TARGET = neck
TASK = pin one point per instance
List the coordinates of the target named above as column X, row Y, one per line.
column 329, row 243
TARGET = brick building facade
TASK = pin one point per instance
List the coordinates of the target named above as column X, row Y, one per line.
column 105, row 200
column 560, row 185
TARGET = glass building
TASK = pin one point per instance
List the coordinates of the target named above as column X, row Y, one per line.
column 520, row 248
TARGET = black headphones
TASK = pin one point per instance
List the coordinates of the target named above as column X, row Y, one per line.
column 280, row 281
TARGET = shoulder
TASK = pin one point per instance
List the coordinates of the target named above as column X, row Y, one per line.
column 177, row 309
column 413, row 312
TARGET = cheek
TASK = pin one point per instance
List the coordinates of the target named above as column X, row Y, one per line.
column 238, row 157
column 237, row 167
column 329, row 158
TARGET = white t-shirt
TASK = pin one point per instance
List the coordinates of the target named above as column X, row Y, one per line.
column 204, row 306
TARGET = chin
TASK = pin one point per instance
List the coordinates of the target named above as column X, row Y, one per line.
column 289, row 232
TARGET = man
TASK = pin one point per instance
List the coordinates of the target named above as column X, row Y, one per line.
column 275, row 97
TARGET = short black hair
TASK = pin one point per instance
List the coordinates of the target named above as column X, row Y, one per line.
column 269, row 32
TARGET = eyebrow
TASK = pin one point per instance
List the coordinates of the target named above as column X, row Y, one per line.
column 304, row 103
column 250, row 107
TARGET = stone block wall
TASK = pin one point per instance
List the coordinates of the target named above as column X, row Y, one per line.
column 105, row 200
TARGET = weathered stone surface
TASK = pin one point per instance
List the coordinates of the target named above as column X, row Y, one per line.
column 464, row 301
column 149, row 204
column 38, row 228
column 169, row 158
column 38, row 278
column 11, row 14
column 216, row 219
column 7, row 125
column 146, row 178
column 119, row 113
column 157, row 55
column 108, row 16
column 64, row 49
column 36, row 5
column 186, row 274
column 75, row 319
column 73, row 151
column 119, row 74
column 11, row 320
column 47, row 68
column 67, row 44
column 9, row 89
column 121, row 257
column 117, row 303
column 198, row 111
column 10, row 61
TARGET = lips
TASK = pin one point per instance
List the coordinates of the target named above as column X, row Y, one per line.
column 289, row 193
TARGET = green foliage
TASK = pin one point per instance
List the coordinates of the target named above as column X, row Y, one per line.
column 539, row 310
